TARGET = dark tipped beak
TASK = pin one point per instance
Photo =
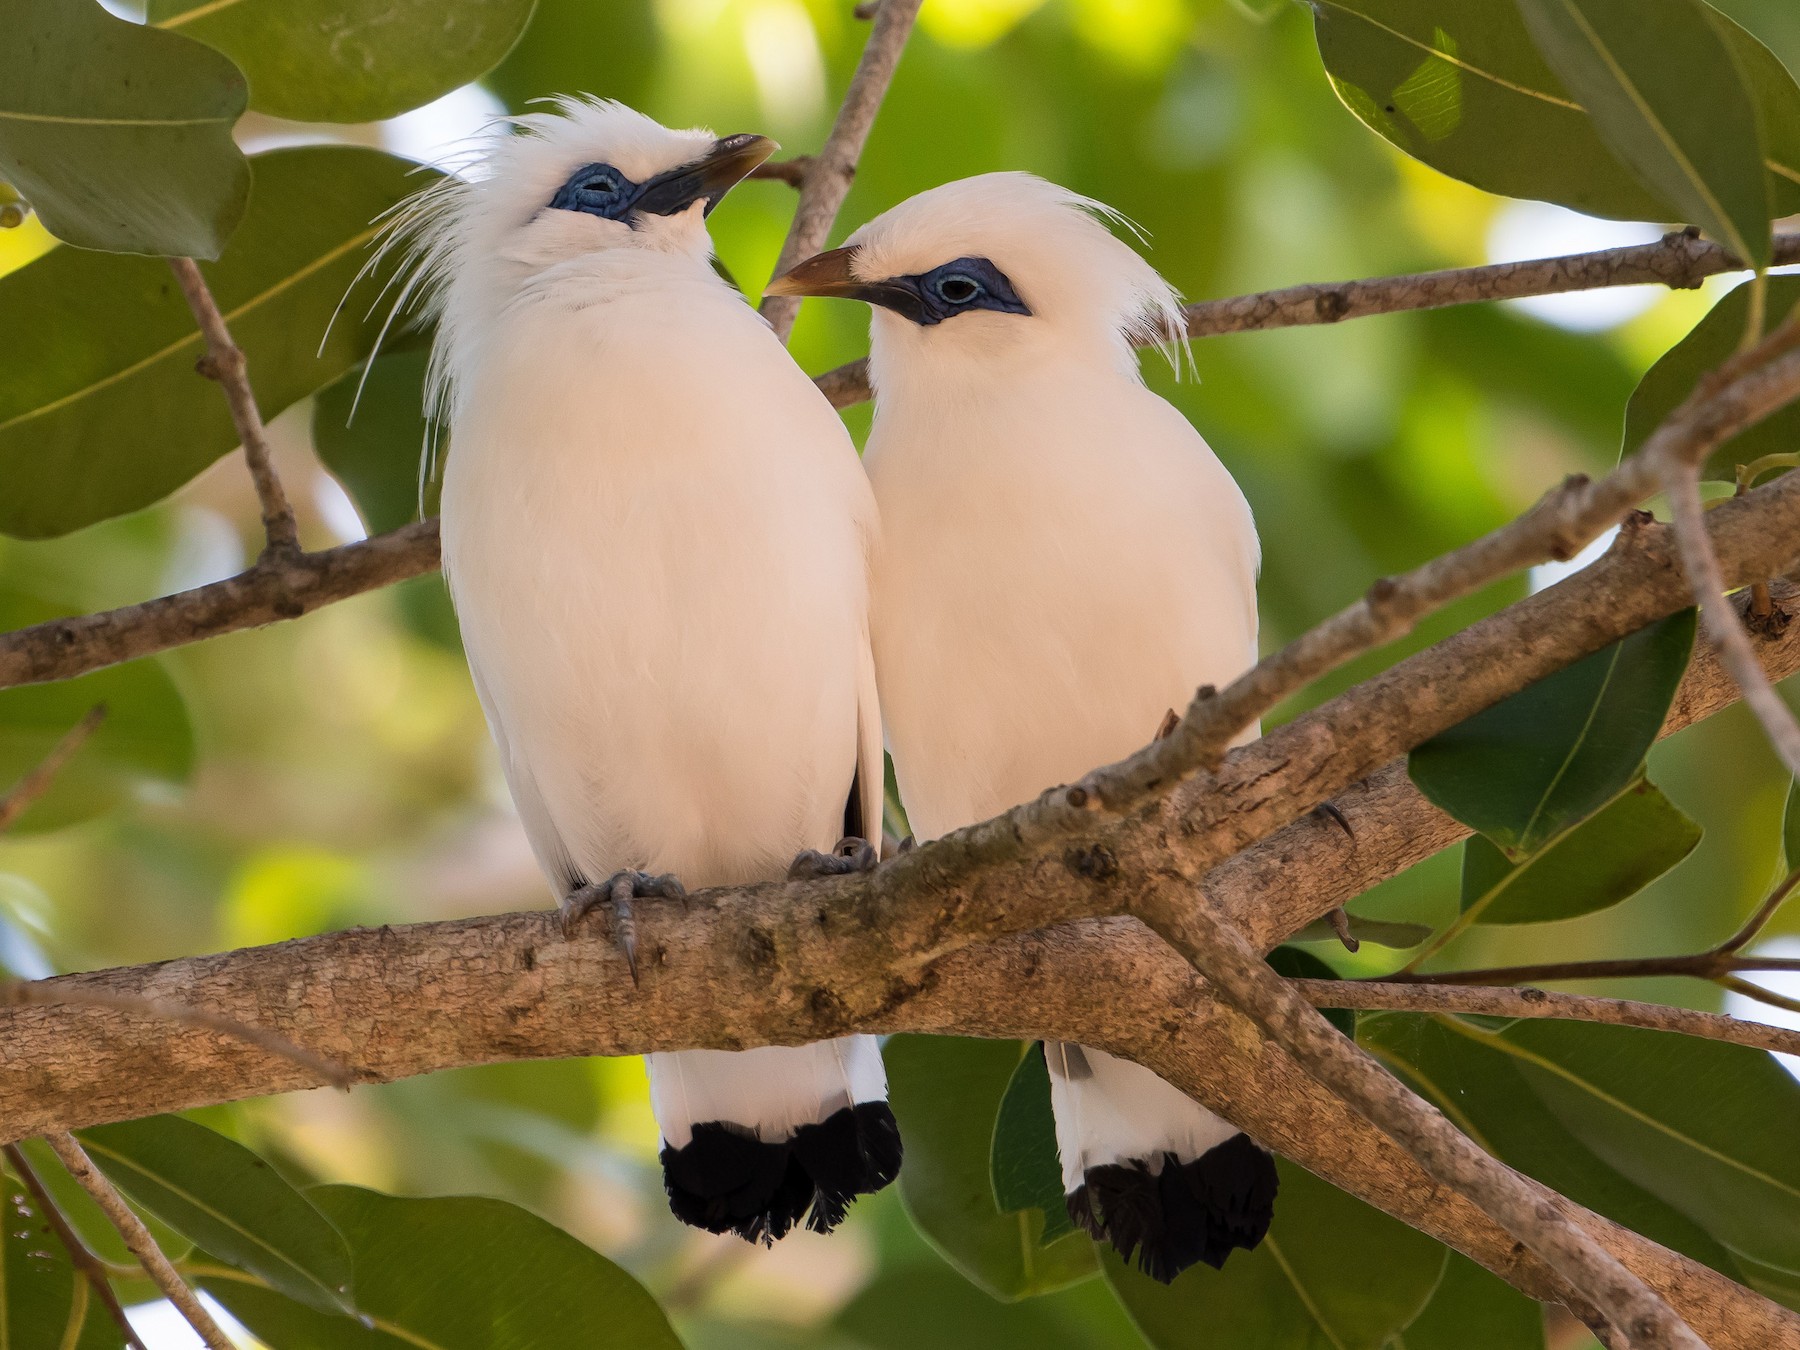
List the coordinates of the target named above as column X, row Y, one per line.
column 707, row 179
column 832, row 273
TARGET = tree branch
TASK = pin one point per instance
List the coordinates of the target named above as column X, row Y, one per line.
column 827, row 177
column 1491, row 1001
column 224, row 361
column 138, row 1240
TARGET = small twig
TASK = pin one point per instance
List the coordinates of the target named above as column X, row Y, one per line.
column 1712, row 965
column 1759, row 919
column 92, row 1268
column 1186, row 918
column 1490, row 1001
column 44, row 993
column 790, row 171
column 224, row 361
column 1751, row 990
column 137, row 1239
column 826, row 181
column 36, row 783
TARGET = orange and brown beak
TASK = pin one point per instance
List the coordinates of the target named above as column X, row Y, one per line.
column 833, row 274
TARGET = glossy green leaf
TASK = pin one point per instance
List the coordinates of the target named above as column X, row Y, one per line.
column 120, row 136
column 1024, row 1165
column 1303, row 965
column 946, row 1093
column 350, row 60
column 1462, row 87
column 228, row 1201
column 1535, row 764
column 1790, row 828
column 1667, row 383
column 1607, row 858
column 1381, row 932
column 102, row 412
column 89, row 1220
column 146, row 737
column 1708, row 1127
column 1664, row 91
column 373, row 442
column 1333, row 1274
column 45, row 1303
column 1475, row 1310
column 1476, row 1079
column 457, row 1273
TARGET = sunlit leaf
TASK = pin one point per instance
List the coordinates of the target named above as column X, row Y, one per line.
column 1535, row 764
column 146, row 737
column 457, row 1273
column 44, row 1301
column 1710, row 344
column 1607, row 858
column 228, row 1201
column 1475, row 1310
column 120, row 136
column 350, row 60
column 1664, row 91
column 1333, row 1272
column 1025, row 1165
column 102, row 412
column 946, row 1093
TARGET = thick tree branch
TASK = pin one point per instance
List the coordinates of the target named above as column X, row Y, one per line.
column 224, row 361
column 1680, row 260
column 827, row 176
column 1492, row 1001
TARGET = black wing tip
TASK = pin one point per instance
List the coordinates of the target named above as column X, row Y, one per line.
column 725, row 1180
column 1183, row 1214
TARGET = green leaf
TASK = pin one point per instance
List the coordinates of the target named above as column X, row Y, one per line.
column 1790, row 829
column 946, row 1093
column 926, row 1306
column 102, row 412
column 457, row 1273
column 229, row 1201
column 1462, row 87
column 1476, row 1079
column 1777, row 100
column 1296, row 964
column 1660, row 82
column 88, row 1219
column 1381, row 932
column 350, row 60
column 1475, row 1310
column 1607, row 858
column 44, row 1301
column 1776, row 22
column 146, row 737
column 613, row 49
column 1024, row 1165
column 372, row 443
column 1706, row 1126
column 1333, row 1274
column 1713, row 340
column 1535, row 764
column 120, row 136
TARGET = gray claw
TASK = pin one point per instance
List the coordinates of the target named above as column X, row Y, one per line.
column 850, row 855
column 617, row 892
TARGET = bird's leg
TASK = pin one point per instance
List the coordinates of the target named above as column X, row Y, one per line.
column 618, row 891
column 850, row 854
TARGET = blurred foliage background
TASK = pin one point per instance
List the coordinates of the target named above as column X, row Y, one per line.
column 336, row 771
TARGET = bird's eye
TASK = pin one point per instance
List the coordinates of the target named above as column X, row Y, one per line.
column 603, row 184
column 957, row 288
column 598, row 189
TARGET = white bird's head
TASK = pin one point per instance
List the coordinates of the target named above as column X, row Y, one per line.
column 978, row 273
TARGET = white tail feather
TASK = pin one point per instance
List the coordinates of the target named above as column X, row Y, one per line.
column 1109, row 1110
column 771, row 1091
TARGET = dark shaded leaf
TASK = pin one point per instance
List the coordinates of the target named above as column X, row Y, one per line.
column 1607, row 858
column 457, row 1273
column 946, row 1093
column 1667, row 383
column 1475, row 1310
column 1025, row 1167
column 1537, row 763
column 1333, row 1274
column 373, row 443
column 102, row 412
column 920, row 1305
column 350, row 60
column 229, row 1201
column 1303, row 965
column 120, row 136
column 611, row 50
column 1639, row 68
column 44, row 1301
column 89, row 1220
column 146, row 737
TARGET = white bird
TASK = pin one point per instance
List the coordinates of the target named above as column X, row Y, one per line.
column 657, row 534
column 1062, row 560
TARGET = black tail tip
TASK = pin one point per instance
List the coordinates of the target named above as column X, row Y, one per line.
column 726, row 1180
column 1186, row 1213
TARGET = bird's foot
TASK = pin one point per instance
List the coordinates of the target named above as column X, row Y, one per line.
column 617, row 892
column 849, row 855
column 1330, row 812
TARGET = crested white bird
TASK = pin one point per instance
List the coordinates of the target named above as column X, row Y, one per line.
column 656, row 534
column 1062, row 560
